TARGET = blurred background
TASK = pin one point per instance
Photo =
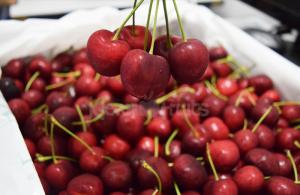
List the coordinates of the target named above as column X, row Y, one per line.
column 275, row 23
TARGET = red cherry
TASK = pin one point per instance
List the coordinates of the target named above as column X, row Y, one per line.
column 40, row 64
column 87, row 86
column 272, row 94
column 291, row 112
column 85, row 184
column 40, row 168
column 221, row 69
column 246, row 140
column 105, row 96
column 188, row 60
column 80, row 56
column 84, row 104
column 224, row 153
column 19, row 84
column 75, row 148
column 61, row 62
column 135, row 35
column 115, row 85
column 178, row 120
column 58, row 99
column 209, row 72
column 266, row 137
column 200, row 91
column 39, row 84
column 227, row 86
column 30, row 147
column 130, row 99
column 190, row 193
column 116, row 147
column 146, row 144
column 34, row 127
column 278, row 185
column 260, row 108
column 246, row 101
column 14, row 68
column 217, row 53
column 159, row 126
column 144, row 76
column 221, row 187
column 45, row 185
column 136, row 156
column 261, row 83
column 286, row 137
column 216, row 128
column 175, row 150
column 282, row 123
column 66, row 116
column 161, row 47
column 44, row 146
column 285, row 167
column 85, row 69
column 106, row 54
column 33, row 97
column 234, row 117
column 92, row 161
column 214, row 105
column 20, row 109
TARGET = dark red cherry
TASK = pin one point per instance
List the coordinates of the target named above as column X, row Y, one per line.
column 188, row 60
column 217, row 53
column 85, row 184
column 247, row 100
column 39, row 84
column 34, row 127
column 234, row 117
column 214, row 105
column 285, row 167
column 221, row 69
column 179, row 121
column 66, row 116
column 9, row 88
column 161, row 45
column 115, row 85
column 246, row 140
column 40, row 64
column 272, row 94
column 33, row 97
column 84, row 104
column 61, row 62
column 135, row 36
column 88, row 86
column 261, row 83
column 80, row 56
column 221, row 187
column 175, row 150
column 30, row 147
column 278, row 185
column 58, row 99
column 44, row 145
column 116, row 147
column 85, row 69
column 105, row 96
column 159, row 126
column 260, row 108
column 106, row 54
column 76, row 148
column 200, row 91
column 282, row 123
column 14, row 68
column 190, row 193
column 291, row 112
column 20, row 109
column 136, row 156
column 216, row 128
column 266, row 137
column 92, row 162
column 286, row 138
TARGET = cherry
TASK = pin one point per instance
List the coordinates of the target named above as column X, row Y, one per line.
column 39, row 84
column 84, row 104
column 106, row 54
column 291, row 112
column 85, row 69
column 33, row 97
column 59, row 174
column 75, row 148
column 160, row 127
column 105, row 96
column 249, row 179
column 225, row 154
column 61, row 62
column 20, row 109
column 136, row 156
column 247, row 100
column 115, row 85
column 14, row 68
column 161, row 45
column 9, row 89
column 214, row 105
column 58, row 99
column 44, row 145
column 217, row 53
column 30, row 147
column 278, row 185
column 227, row 86
column 66, row 116
column 282, row 123
column 144, row 76
column 34, row 127
column 40, row 168
column 285, row 167
column 80, row 56
column 92, row 161
column 216, row 128
column 40, row 64
column 221, row 187
column 45, row 186
column 130, row 99
column 146, row 143
column 116, row 147
column 188, row 60
column 266, row 137
column 130, row 123
column 135, row 35
column 117, row 193
column 179, row 121
column 234, row 117
column 260, row 109
column 272, row 94
column 221, row 69
column 160, row 166
column 88, row 86
column 117, row 175
column 286, row 138
column 200, row 92
column 85, row 184
column 209, row 72
column 261, row 83
column 175, row 150
column 246, row 140
column 188, row 172
column 19, row 84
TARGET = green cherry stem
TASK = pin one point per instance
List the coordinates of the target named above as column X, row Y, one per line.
column 31, row 80
column 80, row 114
column 149, row 117
column 179, row 21
column 154, row 27
column 213, row 89
column 169, row 141
column 52, row 143
column 150, row 169
column 58, row 85
column 290, row 157
column 39, row 109
column 262, row 118
column 55, row 122
column 190, row 125
column 155, row 192
column 177, row 190
column 297, row 144
column 211, row 163
column 133, row 18
column 176, row 91
column 245, row 124
column 169, row 42
column 67, row 74
column 41, row 158
column 93, row 120
column 156, row 147
column 108, row 158
column 147, row 25
column 116, row 36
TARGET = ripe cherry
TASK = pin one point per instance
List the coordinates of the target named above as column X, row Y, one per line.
column 136, row 156
column 39, row 84
column 179, row 121
column 214, row 105
column 285, row 167
column 65, row 116
column 75, row 148
column 9, row 88
column 20, row 109
column 160, row 127
column 116, row 147
column 278, row 185
column 216, row 128
column 246, row 140
column 135, row 35
column 85, row 184
column 200, row 91
column 261, row 83
column 286, row 138
column 30, row 147
column 80, row 56
column 221, row 187
column 234, row 117
column 92, row 161
column 85, row 69
column 115, row 85
column 88, row 86
column 44, row 145
column 14, row 68
column 58, row 99
column 161, row 45
column 221, row 69
column 61, row 62
column 40, row 64
column 217, row 53
column 266, row 137
column 227, row 86
column 34, row 127
column 33, row 97
column 84, row 104
column 291, row 112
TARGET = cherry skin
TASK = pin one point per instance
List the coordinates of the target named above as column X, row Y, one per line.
column 59, row 174
column 260, row 108
column 75, row 148
column 144, row 76
column 116, row 147
column 40, row 168
column 33, row 97
column 278, row 185
column 147, row 144
column 85, row 184
column 217, row 53
column 178, row 120
column 161, row 47
column 291, row 112
column 130, row 99
column 88, row 86
column 214, row 105
column 286, row 137
column 266, row 137
column 246, row 140
column 58, row 99
column 19, row 84
column 160, row 127
column 175, row 150
column 105, row 96
column 261, row 83
column 234, row 117
column 39, row 84
column 40, row 64
column 135, row 35
column 188, row 60
column 249, row 179
column 106, row 54
column 285, row 167
column 227, row 86
column 221, row 69
column 150, row 192
column 246, row 101
column 216, row 128
column 92, row 162
column 14, row 68
column 117, row 175
column 190, row 193
column 61, row 62
column 188, row 172
column 20, row 109
column 45, row 185
column 85, row 69
column 115, row 85
column 34, row 127
column 224, row 153
column 65, row 116
column 136, row 156
column 272, row 94
column 209, row 72
column 9, row 88
column 282, row 123
column 80, row 56
column 44, row 146
column 30, row 147
column 84, row 104
column 200, row 91
column 221, row 187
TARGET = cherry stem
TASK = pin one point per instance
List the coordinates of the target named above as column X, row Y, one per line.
column 284, row 103
column 155, row 192
column 154, row 28
column 133, row 18
column 31, row 80
column 55, row 122
column 97, row 76
column 177, row 190
column 211, row 163
column 58, row 85
column 169, row 42
column 214, row 90
column 147, row 25
column 67, row 74
column 93, row 120
column 179, row 21
column 41, row 158
column 169, row 141
column 245, row 124
column 39, row 109
column 243, row 93
column 176, row 91
column 149, row 117
column 297, row 127
column 200, row 158
column 52, row 143
column 290, row 157
column 262, row 118
column 170, row 164
column 46, row 121
column 150, row 169
column 190, row 125
column 108, row 158
column 116, row 36
column 267, row 177
column 297, row 144
column 156, row 147
column 80, row 114
column 120, row 106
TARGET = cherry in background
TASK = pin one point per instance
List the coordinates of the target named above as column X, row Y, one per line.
column 135, row 35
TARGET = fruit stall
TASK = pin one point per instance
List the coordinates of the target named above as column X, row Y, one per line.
column 165, row 98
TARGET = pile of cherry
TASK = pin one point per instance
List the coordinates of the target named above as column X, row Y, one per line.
column 225, row 134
